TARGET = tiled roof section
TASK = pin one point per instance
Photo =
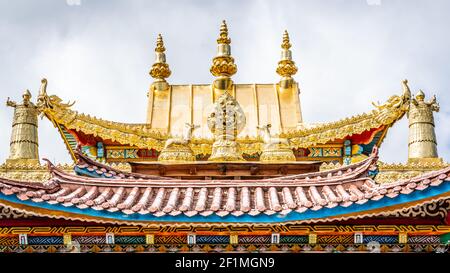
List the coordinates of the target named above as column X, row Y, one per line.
column 13, row 186
column 339, row 187
column 88, row 167
column 349, row 171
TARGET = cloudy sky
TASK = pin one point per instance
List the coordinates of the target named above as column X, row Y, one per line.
column 349, row 53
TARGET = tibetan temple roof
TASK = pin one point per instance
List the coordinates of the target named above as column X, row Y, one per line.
column 287, row 122
column 262, row 104
column 172, row 107
column 344, row 193
column 222, row 156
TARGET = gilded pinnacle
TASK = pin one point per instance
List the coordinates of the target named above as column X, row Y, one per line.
column 160, row 69
column 223, row 65
column 286, row 67
column 286, row 42
column 160, row 44
column 223, row 38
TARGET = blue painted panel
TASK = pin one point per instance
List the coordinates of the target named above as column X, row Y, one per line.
column 382, row 239
column 212, row 239
column 45, row 240
column 132, row 240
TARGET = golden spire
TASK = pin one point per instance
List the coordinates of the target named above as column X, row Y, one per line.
column 223, row 38
column 160, row 44
column 286, row 67
column 160, row 69
column 286, row 42
column 223, row 66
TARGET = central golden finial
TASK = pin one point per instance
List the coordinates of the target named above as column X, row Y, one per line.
column 227, row 118
column 223, row 66
column 286, row 43
column 286, row 66
column 160, row 69
column 160, row 44
column 223, row 38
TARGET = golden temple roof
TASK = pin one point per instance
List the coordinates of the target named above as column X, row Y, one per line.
column 262, row 103
column 169, row 111
column 171, row 107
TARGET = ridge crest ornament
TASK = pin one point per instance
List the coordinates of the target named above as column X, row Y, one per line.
column 24, row 137
column 275, row 149
column 177, row 149
column 225, row 122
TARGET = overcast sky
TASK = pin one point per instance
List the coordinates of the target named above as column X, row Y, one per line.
column 349, row 53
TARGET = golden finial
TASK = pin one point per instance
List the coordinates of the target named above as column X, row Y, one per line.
column 223, row 38
column 286, row 43
column 160, row 69
column 223, row 66
column 160, row 44
column 286, row 66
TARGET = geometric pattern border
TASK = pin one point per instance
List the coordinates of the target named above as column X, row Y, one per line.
column 330, row 248
column 343, row 239
column 184, row 229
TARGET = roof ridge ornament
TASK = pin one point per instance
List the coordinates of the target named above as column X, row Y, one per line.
column 223, row 38
column 160, row 69
column 286, row 66
column 223, row 66
column 24, row 146
column 406, row 91
column 47, row 103
column 422, row 145
column 286, row 41
column 160, row 44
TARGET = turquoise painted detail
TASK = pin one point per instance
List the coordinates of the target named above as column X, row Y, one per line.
column 70, row 138
column 45, row 240
column 373, row 173
column 382, row 239
column 212, row 239
column 260, row 218
column 87, row 150
column 130, row 153
column 367, row 148
column 347, row 148
column 315, row 152
column 100, row 150
column 445, row 238
column 129, row 240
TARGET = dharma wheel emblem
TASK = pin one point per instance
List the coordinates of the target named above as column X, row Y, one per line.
column 227, row 119
column 225, row 122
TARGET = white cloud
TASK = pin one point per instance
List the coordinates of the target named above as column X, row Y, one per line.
column 348, row 53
